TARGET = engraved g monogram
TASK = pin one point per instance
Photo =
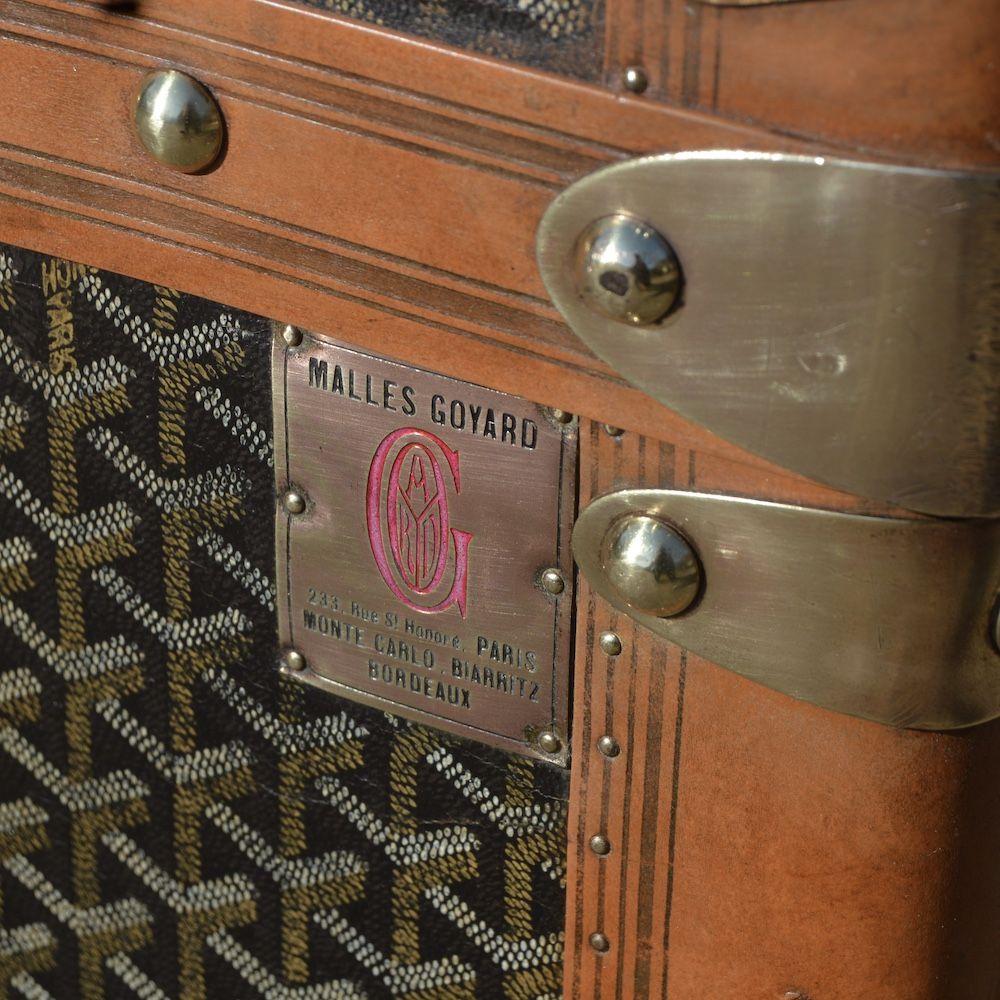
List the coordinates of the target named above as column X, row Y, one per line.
column 411, row 513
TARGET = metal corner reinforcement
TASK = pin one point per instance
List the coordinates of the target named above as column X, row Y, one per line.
column 884, row 618
column 836, row 317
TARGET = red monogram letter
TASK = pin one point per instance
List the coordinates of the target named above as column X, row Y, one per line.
column 413, row 512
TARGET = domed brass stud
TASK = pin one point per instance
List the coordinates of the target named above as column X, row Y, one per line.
column 178, row 121
column 651, row 565
column 611, row 643
column 600, row 943
column 627, row 271
column 548, row 742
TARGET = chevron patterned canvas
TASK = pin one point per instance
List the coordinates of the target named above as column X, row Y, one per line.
column 560, row 35
column 175, row 819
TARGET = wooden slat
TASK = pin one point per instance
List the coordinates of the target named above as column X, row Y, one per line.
column 379, row 216
column 910, row 80
column 452, row 81
column 359, row 188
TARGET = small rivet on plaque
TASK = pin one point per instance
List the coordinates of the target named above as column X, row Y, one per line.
column 651, row 565
column 549, row 742
column 600, row 845
column 295, row 503
column 552, row 581
column 612, row 431
column 608, row 746
column 610, row 643
column 599, row 942
column 635, row 79
column 561, row 416
column 291, row 335
column 294, row 660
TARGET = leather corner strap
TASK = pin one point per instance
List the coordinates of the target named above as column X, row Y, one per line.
column 838, row 318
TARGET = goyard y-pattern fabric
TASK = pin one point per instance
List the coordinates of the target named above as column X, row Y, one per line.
column 176, row 820
column 559, row 35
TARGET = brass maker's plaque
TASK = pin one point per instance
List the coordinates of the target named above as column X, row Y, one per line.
column 419, row 522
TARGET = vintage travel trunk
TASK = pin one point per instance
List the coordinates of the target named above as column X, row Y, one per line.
column 499, row 499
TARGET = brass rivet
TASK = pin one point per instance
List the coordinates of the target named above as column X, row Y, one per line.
column 996, row 627
column 600, row 845
column 608, row 746
column 294, row 660
column 651, row 565
column 599, row 942
column 552, row 581
column 635, row 79
column 291, row 335
column 561, row 416
column 548, row 742
column 610, row 643
column 178, row 121
column 627, row 271
column 295, row 503
column 612, row 431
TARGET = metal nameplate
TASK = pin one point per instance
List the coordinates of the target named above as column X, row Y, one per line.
column 417, row 517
